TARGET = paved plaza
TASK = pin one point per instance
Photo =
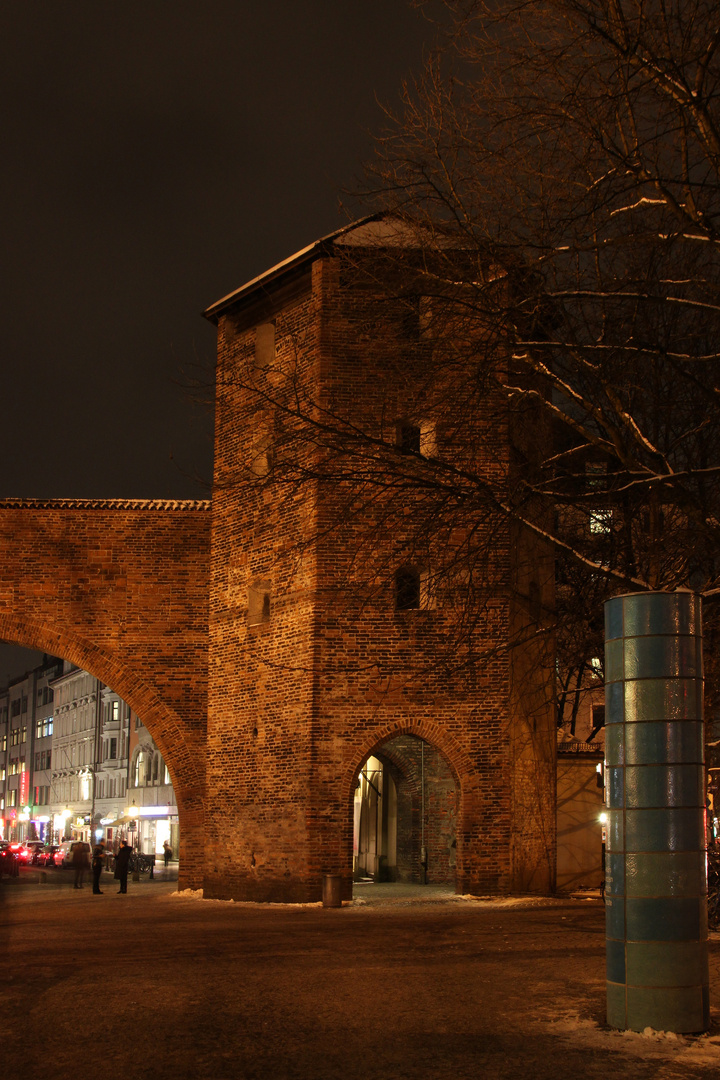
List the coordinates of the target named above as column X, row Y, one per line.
column 405, row 983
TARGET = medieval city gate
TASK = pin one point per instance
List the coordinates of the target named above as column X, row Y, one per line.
column 244, row 635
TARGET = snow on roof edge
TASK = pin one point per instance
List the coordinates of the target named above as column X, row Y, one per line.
column 303, row 255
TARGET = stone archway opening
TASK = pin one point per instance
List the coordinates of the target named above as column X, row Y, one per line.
column 405, row 814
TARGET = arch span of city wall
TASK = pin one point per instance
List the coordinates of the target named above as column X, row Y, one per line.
column 120, row 588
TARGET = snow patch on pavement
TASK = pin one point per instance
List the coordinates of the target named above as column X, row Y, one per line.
column 197, row 894
column 504, row 901
column 697, row 1050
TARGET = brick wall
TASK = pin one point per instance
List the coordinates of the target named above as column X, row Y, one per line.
column 297, row 702
column 277, row 607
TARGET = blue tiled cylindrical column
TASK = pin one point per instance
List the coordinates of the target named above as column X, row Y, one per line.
column 655, row 885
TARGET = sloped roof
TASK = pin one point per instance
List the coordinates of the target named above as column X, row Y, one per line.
column 376, row 230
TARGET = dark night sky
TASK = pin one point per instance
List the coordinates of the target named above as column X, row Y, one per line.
column 155, row 156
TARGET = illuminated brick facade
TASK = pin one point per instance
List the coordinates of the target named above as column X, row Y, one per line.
column 310, row 671
column 245, row 636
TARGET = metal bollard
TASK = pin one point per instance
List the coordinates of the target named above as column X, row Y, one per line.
column 331, row 890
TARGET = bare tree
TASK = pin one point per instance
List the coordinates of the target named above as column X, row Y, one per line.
column 553, row 179
column 573, row 148
column 571, row 151
column 543, row 293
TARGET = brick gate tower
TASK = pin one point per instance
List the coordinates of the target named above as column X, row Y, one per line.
column 341, row 615
column 350, row 594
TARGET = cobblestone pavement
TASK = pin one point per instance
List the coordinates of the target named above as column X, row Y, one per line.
column 165, row 985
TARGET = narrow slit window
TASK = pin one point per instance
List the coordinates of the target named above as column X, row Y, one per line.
column 428, row 441
column 259, row 603
column 407, row 589
column 409, row 438
column 264, row 344
column 263, row 455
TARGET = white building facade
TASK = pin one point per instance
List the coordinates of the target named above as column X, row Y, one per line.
column 76, row 726
column 77, row 764
column 151, row 792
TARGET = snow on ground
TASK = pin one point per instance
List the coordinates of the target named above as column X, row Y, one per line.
column 197, row 894
column 512, row 901
column 399, row 898
column 686, row 1050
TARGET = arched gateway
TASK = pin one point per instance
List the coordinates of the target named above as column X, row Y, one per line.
column 271, row 644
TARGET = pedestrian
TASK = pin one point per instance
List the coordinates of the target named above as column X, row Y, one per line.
column 80, row 861
column 97, row 865
column 167, row 852
column 122, row 860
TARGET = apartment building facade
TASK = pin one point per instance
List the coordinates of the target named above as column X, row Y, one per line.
column 74, row 761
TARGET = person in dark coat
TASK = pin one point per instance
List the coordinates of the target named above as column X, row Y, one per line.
column 122, row 860
column 80, row 860
column 97, row 865
column 167, row 852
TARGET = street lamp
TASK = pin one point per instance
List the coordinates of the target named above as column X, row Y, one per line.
column 133, row 812
column 603, row 821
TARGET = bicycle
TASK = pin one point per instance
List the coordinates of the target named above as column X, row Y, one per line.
column 713, row 890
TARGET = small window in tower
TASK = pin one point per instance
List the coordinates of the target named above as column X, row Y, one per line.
column 259, row 608
column 411, row 317
column 407, row 588
column 428, row 441
column 264, row 344
column 263, row 455
column 417, row 438
column 408, row 437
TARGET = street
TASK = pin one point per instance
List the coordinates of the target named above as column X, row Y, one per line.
column 160, row 984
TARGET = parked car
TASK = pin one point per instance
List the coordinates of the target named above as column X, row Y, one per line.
column 28, row 851
column 58, row 855
column 9, row 862
column 46, row 857
column 63, row 855
column 68, row 846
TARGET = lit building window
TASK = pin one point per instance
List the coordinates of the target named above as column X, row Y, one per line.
column 601, row 522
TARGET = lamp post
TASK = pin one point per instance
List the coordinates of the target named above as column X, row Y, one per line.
column 133, row 812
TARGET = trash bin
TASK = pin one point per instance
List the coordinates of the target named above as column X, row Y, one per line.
column 331, row 890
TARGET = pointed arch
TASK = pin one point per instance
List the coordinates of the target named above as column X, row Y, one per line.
column 459, row 764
